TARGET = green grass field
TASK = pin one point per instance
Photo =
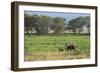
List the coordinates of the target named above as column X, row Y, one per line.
column 45, row 47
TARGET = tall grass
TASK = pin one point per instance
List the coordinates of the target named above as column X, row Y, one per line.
column 47, row 47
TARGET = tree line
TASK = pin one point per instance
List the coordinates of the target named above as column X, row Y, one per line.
column 42, row 24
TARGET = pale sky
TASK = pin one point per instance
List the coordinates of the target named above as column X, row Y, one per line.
column 65, row 15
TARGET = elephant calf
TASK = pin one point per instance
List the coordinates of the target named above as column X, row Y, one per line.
column 60, row 49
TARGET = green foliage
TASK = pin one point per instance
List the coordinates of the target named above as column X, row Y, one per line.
column 30, row 22
column 78, row 23
column 87, row 23
column 36, row 22
column 42, row 24
column 59, row 24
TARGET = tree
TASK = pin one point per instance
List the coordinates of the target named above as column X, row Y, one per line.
column 44, row 24
column 30, row 22
column 76, row 24
column 36, row 23
column 27, row 22
column 80, row 23
column 87, row 23
column 59, row 24
column 72, row 25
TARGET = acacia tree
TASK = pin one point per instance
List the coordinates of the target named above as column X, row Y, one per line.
column 77, row 24
column 87, row 22
column 30, row 22
column 80, row 23
column 59, row 24
column 72, row 25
